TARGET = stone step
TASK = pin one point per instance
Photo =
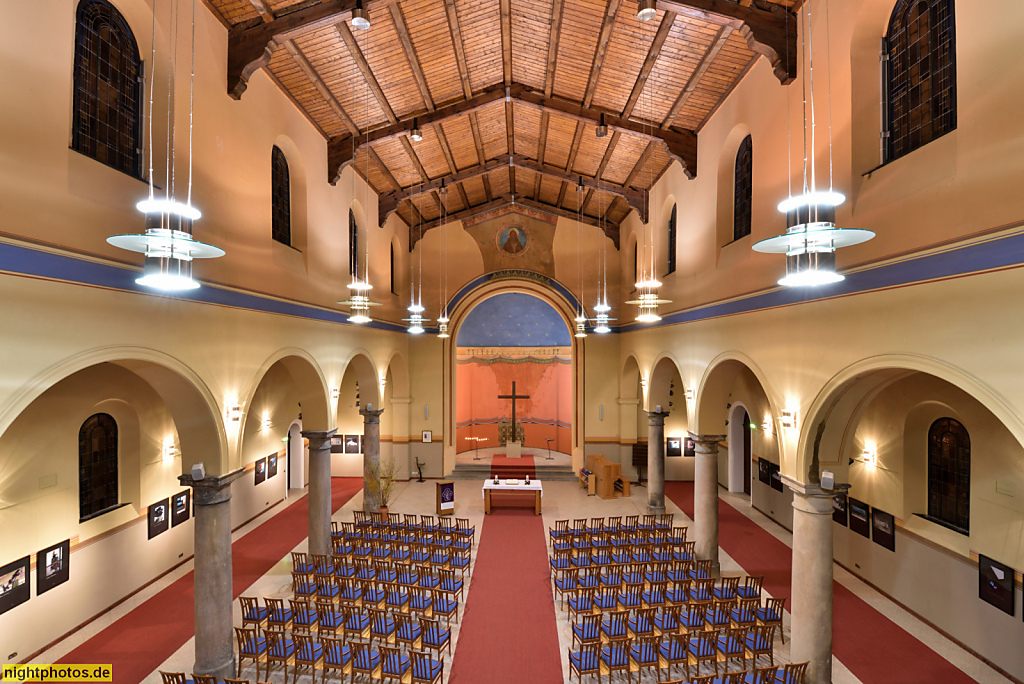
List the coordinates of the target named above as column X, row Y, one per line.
column 482, row 471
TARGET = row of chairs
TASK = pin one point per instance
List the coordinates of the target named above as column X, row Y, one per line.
column 612, row 524
column 407, row 522
column 405, row 588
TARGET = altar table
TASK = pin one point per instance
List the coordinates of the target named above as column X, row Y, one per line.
column 534, row 488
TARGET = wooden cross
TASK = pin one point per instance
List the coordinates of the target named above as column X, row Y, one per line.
column 513, row 397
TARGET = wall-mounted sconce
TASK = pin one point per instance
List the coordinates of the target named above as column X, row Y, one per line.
column 169, row 450
column 335, row 391
column 426, row 412
column 789, row 418
column 691, row 394
column 600, row 412
column 768, row 424
column 265, row 424
column 869, row 457
column 234, row 412
column 643, row 382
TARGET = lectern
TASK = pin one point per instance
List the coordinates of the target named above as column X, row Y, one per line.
column 445, row 497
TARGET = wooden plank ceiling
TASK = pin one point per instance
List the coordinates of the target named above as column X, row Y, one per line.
column 507, row 93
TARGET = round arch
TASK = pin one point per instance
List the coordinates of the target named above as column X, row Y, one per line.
column 361, row 363
column 847, row 390
column 196, row 412
column 398, row 367
column 710, row 412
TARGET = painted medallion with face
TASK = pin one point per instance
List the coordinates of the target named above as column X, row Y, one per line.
column 513, row 240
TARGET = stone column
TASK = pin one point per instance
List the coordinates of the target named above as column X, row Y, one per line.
column 705, row 498
column 811, row 608
column 212, row 576
column 319, row 490
column 371, row 455
column 656, row 461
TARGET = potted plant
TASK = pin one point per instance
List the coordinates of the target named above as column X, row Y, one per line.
column 381, row 483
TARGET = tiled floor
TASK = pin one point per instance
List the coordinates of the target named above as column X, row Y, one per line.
column 562, row 500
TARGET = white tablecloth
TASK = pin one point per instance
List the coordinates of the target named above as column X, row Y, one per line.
column 534, row 486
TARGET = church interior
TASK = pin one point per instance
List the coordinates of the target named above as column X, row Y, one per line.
column 468, row 341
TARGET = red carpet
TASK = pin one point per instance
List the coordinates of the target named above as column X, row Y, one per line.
column 137, row 643
column 508, row 631
column 512, row 467
column 873, row 647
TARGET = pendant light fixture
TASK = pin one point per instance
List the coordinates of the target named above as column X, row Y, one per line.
column 167, row 244
column 811, row 237
column 646, row 10
column 647, row 283
column 602, row 309
column 416, row 308
column 581, row 314
column 415, row 134
column 360, row 19
column 442, row 319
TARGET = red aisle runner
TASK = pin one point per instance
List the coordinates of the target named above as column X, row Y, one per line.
column 873, row 647
column 508, row 633
column 137, row 643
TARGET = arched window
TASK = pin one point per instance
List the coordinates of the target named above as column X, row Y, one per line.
column 671, row 242
column 97, row 466
column 280, row 198
column 949, row 474
column 107, row 109
column 920, row 74
column 744, row 190
column 353, row 245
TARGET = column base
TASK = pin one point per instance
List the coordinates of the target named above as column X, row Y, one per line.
column 655, row 510
column 225, row 669
column 716, row 569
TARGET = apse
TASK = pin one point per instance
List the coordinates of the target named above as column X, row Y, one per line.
column 514, row 338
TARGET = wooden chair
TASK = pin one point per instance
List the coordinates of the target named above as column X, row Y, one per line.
column 393, row 664
column 579, row 527
column 703, row 648
column 228, row 680
column 771, row 615
column 465, row 529
column 701, row 569
column 558, row 532
column 734, row 678
column 632, row 597
column 382, row 626
column 326, row 587
column 278, row 617
column 322, row 563
column 301, row 563
column 606, row 598
column 751, row 587
column 426, row 670
column 204, row 679
column 428, row 523
column 642, row 622
column 730, row 645
column 668, row 621
column 644, row 654
column 614, row 625
column 172, row 677
column 727, row 589
column 587, row 630
column 615, row 656
column 719, row 615
column 357, row 624
column 250, row 647
column 692, row 618
column 308, row 653
column 337, row 656
column 566, row 585
column 279, row 650
column 612, row 524
column 702, row 591
column 587, row 660
column 632, row 523
column 329, row 621
column 304, row 617
column 252, row 613
column 792, row 673
column 581, row 603
column 655, row 594
column 665, row 521
column 364, row 659
column 676, row 651
column 435, row 638
column 448, row 607
column 764, row 675
column 302, row 586
column 758, row 641
column 397, row 599
column 685, row 552
column 420, row 601
column 406, row 631
column 450, row 584
column 704, row 679
column 744, row 613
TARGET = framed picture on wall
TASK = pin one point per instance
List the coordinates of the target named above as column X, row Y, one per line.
column 776, row 477
column 261, row 470
column 673, row 447
column 427, row 437
column 159, row 518
column 52, row 566
column 351, row 444
column 689, row 450
column 995, row 583
column 338, row 444
column 180, row 507
column 271, row 465
column 764, row 471
column 840, row 514
column 14, row 588
column 883, row 529
column 859, row 514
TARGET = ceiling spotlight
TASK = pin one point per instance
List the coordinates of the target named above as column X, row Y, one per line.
column 602, row 128
column 360, row 20
column 415, row 134
column 646, row 10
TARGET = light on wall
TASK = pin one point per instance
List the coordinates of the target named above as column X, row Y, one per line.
column 768, row 424
column 789, row 418
column 691, row 394
column 233, row 412
column 335, row 392
column 169, row 450
column 869, row 457
column 265, row 424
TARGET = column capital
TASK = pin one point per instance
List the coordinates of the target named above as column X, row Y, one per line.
column 319, row 439
column 212, row 489
column 656, row 418
column 371, row 415
column 809, row 497
column 706, row 444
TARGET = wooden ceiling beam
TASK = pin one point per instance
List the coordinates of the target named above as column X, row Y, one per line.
column 387, row 173
column 318, row 83
column 388, row 202
column 410, row 55
column 680, row 144
column 705, row 63
column 417, row 232
column 640, row 164
column 364, row 68
column 652, row 57
column 554, row 36
column 542, row 145
column 770, row 31
column 604, row 37
column 460, row 47
column 506, row 40
column 251, row 44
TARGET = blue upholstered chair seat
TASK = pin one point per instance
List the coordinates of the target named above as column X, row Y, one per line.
column 632, row 577
column 250, row 649
column 451, row 585
column 331, row 620
column 427, row 669
column 629, row 601
column 579, row 604
column 614, row 656
column 601, row 559
column 640, row 625
column 747, row 592
column 343, row 549
column 420, row 603
column 408, row 578
column 581, row 560
column 653, row 597
column 613, row 630
column 337, row 655
column 742, row 615
column 373, row 596
column 327, row 591
column 255, row 615
column 724, row 593
column 283, row 615
column 691, row 620
column 590, row 581
column 357, row 622
column 436, row 637
column 445, row 606
column 755, row 642
column 620, row 556
column 397, row 599
column 655, row 576
column 643, row 654
column 560, row 563
column 666, row 623
column 662, row 556
column 305, row 618
column 566, row 583
column 697, row 573
column 396, row 664
column 672, row 650
column 363, row 551
column 676, row 596
column 351, row 594
column 440, row 558
column 345, row 571
column 368, row 574
column 303, row 568
column 611, row 579
column 619, row 542
column 641, row 557
column 718, row 618
column 700, row 594
column 366, row 660
column 580, row 544
column 462, row 544
column 310, row 652
column 282, row 648
column 584, row 662
column 702, row 647
column 766, row 615
column 389, row 576
column 606, row 600
column 419, row 556
column 561, row 545
column 383, row 627
column 729, row 645
column 408, row 632
column 586, row 631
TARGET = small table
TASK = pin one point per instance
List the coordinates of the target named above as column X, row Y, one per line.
column 534, row 488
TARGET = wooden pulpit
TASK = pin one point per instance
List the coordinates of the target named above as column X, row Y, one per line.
column 446, row 497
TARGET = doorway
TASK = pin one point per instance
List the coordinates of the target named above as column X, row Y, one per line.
column 740, row 450
column 293, row 456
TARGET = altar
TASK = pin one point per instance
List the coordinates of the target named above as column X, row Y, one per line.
column 503, row 487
